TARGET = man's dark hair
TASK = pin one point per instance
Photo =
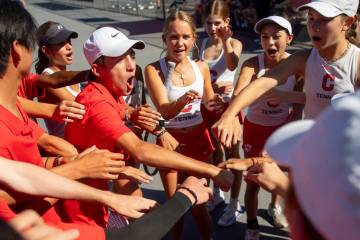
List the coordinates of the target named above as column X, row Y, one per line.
column 15, row 24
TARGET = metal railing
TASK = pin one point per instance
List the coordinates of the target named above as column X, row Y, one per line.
column 145, row 8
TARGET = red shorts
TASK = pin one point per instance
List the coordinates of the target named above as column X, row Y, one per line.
column 255, row 136
column 194, row 142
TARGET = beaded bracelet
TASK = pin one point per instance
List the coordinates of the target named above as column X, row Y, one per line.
column 191, row 192
column 57, row 161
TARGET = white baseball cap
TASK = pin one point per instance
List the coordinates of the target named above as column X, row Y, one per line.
column 324, row 158
column 333, row 8
column 109, row 42
column 282, row 22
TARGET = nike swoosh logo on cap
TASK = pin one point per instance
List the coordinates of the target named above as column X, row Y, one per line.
column 115, row 34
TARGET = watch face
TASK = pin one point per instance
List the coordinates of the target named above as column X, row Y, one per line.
column 162, row 123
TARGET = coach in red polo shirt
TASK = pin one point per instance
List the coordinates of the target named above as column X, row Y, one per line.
column 111, row 56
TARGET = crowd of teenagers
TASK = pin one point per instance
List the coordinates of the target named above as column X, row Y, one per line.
column 81, row 178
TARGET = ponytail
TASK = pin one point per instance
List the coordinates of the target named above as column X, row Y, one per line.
column 42, row 62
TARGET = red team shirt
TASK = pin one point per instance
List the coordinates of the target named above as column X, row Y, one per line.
column 28, row 87
column 101, row 125
column 18, row 142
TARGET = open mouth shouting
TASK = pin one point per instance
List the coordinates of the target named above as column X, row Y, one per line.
column 271, row 52
column 130, row 84
column 69, row 56
column 316, row 40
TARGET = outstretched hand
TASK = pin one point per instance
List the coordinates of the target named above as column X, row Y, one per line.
column 130, row 206
column 103, row 164
column 129, row 172
column 227, row 130
column 224, row 179
column 199, row 187
column 243, row 164
column 269, row 176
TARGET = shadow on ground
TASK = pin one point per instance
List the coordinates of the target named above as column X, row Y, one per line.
column 234, row 232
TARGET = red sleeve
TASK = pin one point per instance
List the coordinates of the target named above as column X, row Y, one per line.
column 28, row 87
column 4, row 152
column 104, row 125
column 5, row 212
column 37, row 130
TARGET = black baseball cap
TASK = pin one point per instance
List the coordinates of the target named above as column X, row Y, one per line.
column 56, row 34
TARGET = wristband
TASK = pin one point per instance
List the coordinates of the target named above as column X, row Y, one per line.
column 46, row 160
column 191, row 192
column 162, row 131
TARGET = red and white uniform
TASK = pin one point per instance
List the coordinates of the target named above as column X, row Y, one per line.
column 263, row 117
column 324, row 80
column 263, row 112
column 196, row 142
column 190, row 115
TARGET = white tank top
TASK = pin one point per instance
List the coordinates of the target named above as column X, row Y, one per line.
column 323, row 80
column 262, row 112
column 190, row 115
column 218, row 70
column 54, row 127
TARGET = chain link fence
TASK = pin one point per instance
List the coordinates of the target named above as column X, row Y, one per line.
column 145, row 8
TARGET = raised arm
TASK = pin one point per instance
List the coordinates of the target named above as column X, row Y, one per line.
column 68, row 111
column 295, row 64
column 154, row 155
column 62, row 79
column 29, row 179
column 232, row 47
column 247, row 73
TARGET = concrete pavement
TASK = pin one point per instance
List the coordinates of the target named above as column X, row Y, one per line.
column 84, row 21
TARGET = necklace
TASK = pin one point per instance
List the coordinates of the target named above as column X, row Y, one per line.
column 331, row 61
column 181, row 75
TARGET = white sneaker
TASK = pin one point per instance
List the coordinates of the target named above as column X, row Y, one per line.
column 276, row 212
column 252, row 234
column 216, row 201
column 230, row 215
